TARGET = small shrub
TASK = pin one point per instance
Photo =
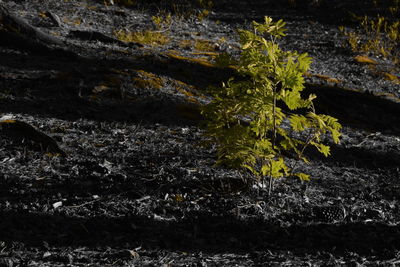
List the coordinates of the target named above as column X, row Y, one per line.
column 243, row 118
column 162, row 21
column 379, row 36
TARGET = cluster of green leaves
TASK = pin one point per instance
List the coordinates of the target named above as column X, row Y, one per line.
column 251, row 117
column 377, row 35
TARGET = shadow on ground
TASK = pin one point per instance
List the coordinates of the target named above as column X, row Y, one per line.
column 64, row 95
column 356, row 109
column 359, row 157
column 51, row 87
column 203, row 233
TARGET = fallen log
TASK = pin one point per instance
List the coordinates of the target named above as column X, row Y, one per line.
column 17, row 33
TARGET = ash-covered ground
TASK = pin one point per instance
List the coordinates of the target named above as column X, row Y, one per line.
column 138, row 188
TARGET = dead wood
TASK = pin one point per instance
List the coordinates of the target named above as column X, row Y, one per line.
column 54, row 18
column 13, row 23
column 98, row 36
column 15, row 32
column 22, row 132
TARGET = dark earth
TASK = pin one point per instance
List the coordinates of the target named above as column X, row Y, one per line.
column 136, row 187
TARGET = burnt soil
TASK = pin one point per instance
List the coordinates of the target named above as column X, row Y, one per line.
column 137, row 188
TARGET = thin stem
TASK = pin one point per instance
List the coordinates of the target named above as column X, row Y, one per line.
column 274, row 90
column 309, row 139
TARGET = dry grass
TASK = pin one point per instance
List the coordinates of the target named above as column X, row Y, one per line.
column 147, row 37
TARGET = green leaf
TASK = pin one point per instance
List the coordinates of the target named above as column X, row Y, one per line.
column 278, row 168
column 302, row 176
column 251, row 169
column 247, row 45
column 298, row 122
column 325, row 150
column 265, row 170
